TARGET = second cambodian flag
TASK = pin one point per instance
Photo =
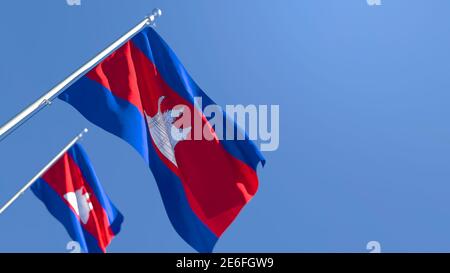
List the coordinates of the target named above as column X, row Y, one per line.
column 72, row 193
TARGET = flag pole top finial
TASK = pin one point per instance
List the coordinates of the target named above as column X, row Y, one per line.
column 154, row 15
column 85, row 130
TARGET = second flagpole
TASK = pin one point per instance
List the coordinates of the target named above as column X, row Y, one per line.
column 55, row 91
column 46, row 168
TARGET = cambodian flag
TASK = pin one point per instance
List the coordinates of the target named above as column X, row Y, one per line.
column 134, row 94
column 72, row 193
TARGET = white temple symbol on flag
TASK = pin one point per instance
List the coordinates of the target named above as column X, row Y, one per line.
column 164, row 134
column 80, row 203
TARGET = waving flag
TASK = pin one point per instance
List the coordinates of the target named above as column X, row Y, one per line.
column 72, row 193
column 133, row 94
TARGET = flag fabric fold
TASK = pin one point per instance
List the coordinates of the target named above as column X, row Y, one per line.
column 133, row 94
column 73, row 194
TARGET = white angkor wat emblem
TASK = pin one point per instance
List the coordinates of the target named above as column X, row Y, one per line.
column 164, row 134
column 80, row 203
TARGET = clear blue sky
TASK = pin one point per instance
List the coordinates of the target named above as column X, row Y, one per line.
column 364, row 134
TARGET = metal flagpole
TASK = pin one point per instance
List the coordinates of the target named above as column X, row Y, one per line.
column 55, row 91
column 41, row 172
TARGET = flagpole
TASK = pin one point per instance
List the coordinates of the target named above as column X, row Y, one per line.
column 55, row 91
column 41, row 172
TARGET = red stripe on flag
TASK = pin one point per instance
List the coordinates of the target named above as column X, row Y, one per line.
column 123, row 81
